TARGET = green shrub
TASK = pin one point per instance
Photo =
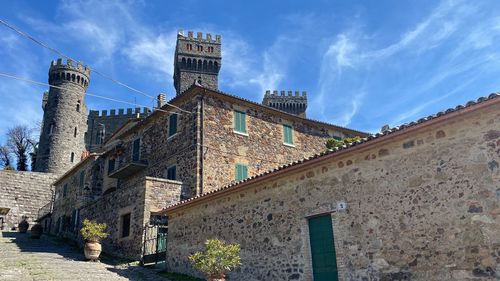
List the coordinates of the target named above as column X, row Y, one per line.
column 217, row 259
column 93, row 231
column 333, row 143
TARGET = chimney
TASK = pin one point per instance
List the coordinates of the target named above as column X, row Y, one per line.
column 161, row 100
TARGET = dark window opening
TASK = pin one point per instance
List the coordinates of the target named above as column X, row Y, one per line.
column 72, row 158
column 172, row 173
column 125, row 225
column 111, row 165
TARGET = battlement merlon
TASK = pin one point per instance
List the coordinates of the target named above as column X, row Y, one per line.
column 199, row 37
column 121, row 112
column 69, row 65
column 275, row 93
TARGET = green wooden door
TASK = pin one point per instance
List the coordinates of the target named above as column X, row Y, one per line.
column 323, row 249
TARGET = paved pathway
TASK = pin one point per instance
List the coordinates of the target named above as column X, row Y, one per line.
column 26, row 259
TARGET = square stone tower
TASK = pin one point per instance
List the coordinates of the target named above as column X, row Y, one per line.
column 197, row 60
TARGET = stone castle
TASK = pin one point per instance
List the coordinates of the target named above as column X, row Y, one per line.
column 416, row 202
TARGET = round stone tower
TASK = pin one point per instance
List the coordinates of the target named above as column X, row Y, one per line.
column 62, row 139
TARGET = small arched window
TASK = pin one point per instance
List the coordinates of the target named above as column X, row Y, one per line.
column 68, row 76
column 57, row 76
column 78, row 106
column 210, row 65
column 189, row 63
column 72, row 157
column 194, row 63
column 216, row 66
column 205, row 65
column 199, row 65
column 183, row 62
column 73, row 77
column 76, row 132
column 78, row 79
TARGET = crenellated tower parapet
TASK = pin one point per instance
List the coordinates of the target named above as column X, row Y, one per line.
column 102, row 124
column 288, row 101
column 69, row 72
column 197, row 60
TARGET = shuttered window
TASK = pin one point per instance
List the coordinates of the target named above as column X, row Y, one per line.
column 287, row 134
column 240, row 122
column 136, row 150
column 172, row 125
column 241, row 172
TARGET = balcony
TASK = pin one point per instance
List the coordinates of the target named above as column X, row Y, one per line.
column 128, row 168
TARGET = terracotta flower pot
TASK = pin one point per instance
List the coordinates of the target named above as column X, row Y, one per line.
column 217, row 277
column 92, row 250
column 23, row 226
column 36, row 231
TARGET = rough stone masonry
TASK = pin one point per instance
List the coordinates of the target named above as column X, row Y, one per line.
column 423, row 204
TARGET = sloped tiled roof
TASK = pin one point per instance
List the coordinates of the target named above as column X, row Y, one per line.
column 265, row 106
column 370, row 139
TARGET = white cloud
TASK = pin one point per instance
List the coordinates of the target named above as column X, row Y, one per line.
column 153, row 53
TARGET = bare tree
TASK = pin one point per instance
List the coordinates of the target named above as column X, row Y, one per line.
column 5, row 153
column 20, row 142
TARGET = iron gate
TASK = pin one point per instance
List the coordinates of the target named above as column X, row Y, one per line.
column 155, row 244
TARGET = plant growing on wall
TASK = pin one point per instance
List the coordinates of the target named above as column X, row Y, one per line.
column 333, row 143
column 217, row 260
column 93, row 231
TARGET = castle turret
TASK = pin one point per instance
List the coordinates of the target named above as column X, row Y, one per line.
column 62, row 138
column 197, row 60
column 294, row 103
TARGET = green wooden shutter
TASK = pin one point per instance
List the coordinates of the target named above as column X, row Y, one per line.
column 240, row 121
column 323, row 249
column 241, row 172
column 111, row 165
column 287, row 134
column 136, row 150
column 172, row 126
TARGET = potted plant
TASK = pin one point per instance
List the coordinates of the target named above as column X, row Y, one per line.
column 36, row 231
column 92, row 232
column 23, row 225
column 217, row 259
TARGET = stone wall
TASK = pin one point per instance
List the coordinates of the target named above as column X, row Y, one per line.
column 262, row 148
column 422, row 205
column 24, row 193
column 137, row 196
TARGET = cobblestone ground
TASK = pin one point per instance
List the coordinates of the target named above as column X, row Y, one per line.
column 26, row 259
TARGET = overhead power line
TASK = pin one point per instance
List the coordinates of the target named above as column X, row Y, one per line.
column 19, row 31
column 87, row 93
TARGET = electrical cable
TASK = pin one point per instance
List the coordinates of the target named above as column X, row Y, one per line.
column 17, row 30
column 87, row 93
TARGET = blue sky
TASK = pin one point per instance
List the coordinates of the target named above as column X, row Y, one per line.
column 363, row 63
